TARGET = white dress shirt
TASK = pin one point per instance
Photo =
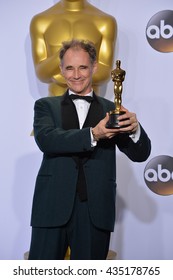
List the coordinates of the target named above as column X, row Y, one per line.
column 82, row 107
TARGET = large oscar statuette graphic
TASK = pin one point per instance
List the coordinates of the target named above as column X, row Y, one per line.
column 118, row 76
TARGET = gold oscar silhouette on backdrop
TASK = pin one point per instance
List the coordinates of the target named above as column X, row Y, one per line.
column 64, row 21
column 118, row 76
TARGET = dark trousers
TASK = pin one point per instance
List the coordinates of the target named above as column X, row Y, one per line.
column 85, row 240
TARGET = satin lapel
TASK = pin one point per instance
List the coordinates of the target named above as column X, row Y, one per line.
column 95, row 113
column 69, row 114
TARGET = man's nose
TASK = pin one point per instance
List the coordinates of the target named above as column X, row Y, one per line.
column 76, row 73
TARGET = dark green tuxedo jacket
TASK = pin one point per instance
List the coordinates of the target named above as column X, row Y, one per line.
column 56, row 135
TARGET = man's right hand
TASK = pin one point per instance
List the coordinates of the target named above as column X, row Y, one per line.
column 101, row 132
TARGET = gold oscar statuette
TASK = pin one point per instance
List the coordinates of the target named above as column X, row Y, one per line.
column 118, row 76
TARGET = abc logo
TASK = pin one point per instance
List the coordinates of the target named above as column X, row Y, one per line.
column 158, row 175
column 159, row 31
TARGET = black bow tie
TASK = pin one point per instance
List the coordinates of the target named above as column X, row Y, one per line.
column 84, row 97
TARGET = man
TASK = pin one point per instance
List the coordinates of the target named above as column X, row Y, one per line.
column 65, row 20
column 74, row 199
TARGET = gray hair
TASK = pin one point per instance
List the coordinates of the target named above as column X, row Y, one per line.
column 85, row 45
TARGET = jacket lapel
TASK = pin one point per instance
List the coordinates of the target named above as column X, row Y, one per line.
column 68, row 113
column 95, row 113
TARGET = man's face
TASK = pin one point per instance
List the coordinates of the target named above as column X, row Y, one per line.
column 77, row 70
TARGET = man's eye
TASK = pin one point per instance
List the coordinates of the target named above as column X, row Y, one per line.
column 68, row 68
column 83, row 67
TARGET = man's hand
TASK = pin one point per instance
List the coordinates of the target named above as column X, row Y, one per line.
column 101, row 132
column 128, row 119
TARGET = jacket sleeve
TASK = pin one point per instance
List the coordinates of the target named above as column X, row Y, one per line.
column 51, row 138
column 138, row 151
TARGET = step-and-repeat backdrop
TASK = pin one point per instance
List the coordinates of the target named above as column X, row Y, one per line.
column 144, row 225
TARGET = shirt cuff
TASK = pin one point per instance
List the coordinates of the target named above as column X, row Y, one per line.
column 136, row 135
column 93, row 142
